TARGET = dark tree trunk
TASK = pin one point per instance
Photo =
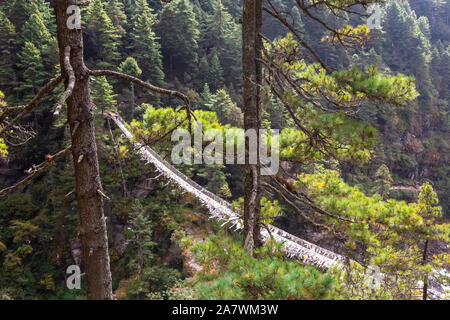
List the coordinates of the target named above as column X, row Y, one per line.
column 84, row 150
column 425, row 280
column 133, row 98
column 252, row 77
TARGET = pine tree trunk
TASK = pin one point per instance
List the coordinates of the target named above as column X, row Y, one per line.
column 84, row 150
column 252, row 77
column 133, row 98
column 425, row 280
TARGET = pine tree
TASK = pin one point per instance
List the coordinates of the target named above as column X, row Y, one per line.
column 383, row 181
column 144, row 46
column 130, row 66
column 227, row 111
column 7, row 51
column 103, row 95
column 179, row 48
column 207, row 99
column 445, row 64
column 33, row 72
column 102, row 37
column 222, row 34
column 47, row 15
column 214, row 75
column 19, row 12
column 141, row 226
column 115, row 11
column 430, row 212
column 214, row 178
column 406, row 48
column 35, row 31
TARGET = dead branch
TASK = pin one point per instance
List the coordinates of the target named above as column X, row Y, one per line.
column 19, row 135
column 8, row 110
column 139, row 82
column 68, row 92
column 148, row 86
column 30, row 106
column 82, row 3
column 35, row 171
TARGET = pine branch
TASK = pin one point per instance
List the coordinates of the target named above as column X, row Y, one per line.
column 292, row 205
column 294, row 31
column 30, row 106
column 310, row 204
column 35, row 171
column 68, row 92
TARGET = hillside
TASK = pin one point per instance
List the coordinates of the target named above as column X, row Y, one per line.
column 363, row 144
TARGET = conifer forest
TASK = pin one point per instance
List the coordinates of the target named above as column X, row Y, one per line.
column 224, row 150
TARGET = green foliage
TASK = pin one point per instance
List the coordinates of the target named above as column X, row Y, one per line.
column 383, row 181
column 103, row 94
column 152, row 280
column 141, row 238
column 392, row 231
column 222, row 33
column 8, row 38
column 130, row 66
column 211, row 70
column 230, row 273
column 227, row 111
column 269, row 209
column 102, row 35
column 33, row 70
column 115, row 11
column 3, row 147
column 40, row 222
column 179, row 48
column 143, row 42
column 35, row 31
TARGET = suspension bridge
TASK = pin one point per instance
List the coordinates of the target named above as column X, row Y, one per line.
column 222, row 211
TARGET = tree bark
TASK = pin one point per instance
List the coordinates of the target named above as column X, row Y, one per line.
column 133, row 103
column 252, row 77
column 425, row 280
column 84, row 151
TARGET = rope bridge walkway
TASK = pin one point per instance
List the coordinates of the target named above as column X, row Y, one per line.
column 223, row 211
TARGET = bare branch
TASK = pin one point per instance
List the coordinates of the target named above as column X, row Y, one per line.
column 8, row 110
column 31, row 105
column 148, row 86
column 139, row 82
column 71, row 84
column 36, row 171
column 82, row 3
